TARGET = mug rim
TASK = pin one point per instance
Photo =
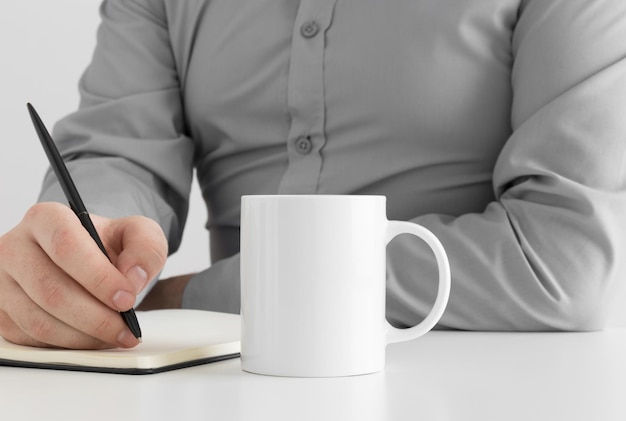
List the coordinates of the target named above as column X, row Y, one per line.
column 314, row 196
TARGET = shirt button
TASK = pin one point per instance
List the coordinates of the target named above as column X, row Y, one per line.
column 309, row 29
column 304, row 145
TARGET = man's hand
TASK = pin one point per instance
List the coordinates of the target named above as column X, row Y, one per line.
column 57, row 289
column 167, row 293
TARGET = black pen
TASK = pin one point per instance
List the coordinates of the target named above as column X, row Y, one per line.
column 76, row 203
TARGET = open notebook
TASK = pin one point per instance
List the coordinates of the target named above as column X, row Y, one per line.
column 172, row 339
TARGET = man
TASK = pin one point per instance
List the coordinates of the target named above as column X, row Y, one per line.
column 496, row 124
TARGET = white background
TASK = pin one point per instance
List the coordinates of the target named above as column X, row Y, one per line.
column 44, row 47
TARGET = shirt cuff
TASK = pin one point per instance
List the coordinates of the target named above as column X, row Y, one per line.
column 216, row 288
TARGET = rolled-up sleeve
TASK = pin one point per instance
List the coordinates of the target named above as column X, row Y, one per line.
column 126, row 146
column 549, row 253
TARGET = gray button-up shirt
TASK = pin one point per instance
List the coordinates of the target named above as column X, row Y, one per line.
column 500, row 125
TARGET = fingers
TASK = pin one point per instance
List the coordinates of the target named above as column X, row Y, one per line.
column 140, row 247
column 63, row 239
column 33, row 322
column 12, row 333
column 58, row 289
column 136, row 244
column 50, row 307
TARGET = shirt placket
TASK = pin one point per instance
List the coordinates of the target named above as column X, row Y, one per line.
column 305, row 97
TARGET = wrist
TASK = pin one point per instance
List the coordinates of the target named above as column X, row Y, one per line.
column 167, row 293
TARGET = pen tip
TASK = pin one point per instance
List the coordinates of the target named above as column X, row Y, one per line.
column 140, row 340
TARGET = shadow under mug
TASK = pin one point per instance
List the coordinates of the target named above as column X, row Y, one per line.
column 313, row 272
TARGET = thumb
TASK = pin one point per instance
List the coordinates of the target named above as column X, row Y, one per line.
column 140, row 249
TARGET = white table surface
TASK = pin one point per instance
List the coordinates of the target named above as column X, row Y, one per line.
column 442, row 376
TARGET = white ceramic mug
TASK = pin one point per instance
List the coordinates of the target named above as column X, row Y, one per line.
column 313, row 271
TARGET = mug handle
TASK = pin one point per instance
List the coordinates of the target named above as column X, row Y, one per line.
column 395, row 228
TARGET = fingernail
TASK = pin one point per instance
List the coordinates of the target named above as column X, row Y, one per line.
column 123, row 300
column 126, row 339
column 137, row 277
